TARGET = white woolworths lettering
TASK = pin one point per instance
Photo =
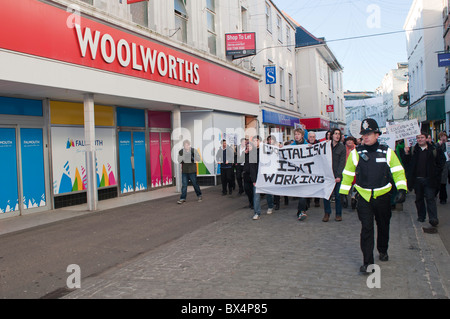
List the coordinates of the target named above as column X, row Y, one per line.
column 166, row 65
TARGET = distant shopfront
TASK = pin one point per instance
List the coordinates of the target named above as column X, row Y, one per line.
column 279, row 123
column 430, row 113
column 316, row 124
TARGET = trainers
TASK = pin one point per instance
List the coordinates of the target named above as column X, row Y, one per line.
column 301, row 216
column 200, row 198
column 181, row 201
column 255, row 217
column 269, row 211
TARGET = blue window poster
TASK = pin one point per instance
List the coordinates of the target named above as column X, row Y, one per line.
column 140, row 166
column 33, row 175
column 126, row 170
column 9, row 197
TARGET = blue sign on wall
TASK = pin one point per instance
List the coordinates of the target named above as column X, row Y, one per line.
column 271, row 74
column 280, row 119
column 444, row 59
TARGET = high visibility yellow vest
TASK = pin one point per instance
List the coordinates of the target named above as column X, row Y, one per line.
column 385, row 156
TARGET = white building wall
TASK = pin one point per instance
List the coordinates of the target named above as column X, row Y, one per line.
column 422, row 45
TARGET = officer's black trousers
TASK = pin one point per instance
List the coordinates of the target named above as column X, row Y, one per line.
column 380, row 210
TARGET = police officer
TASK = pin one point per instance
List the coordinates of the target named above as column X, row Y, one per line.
column 376, row 167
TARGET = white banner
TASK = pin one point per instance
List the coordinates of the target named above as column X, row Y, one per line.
column 296, row 170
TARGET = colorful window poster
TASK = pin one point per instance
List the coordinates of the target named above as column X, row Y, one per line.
column 33, row 175
column 69, row 159
column 166, row 150
column 9, row 197
column 155, row 160
column 126, row 169
column 140, row 161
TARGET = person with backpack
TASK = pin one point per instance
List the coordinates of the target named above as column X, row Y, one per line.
column 425, row 163
column 375, row 167
column 188, row 157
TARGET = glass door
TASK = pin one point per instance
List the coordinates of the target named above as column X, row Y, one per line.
column 132, row 158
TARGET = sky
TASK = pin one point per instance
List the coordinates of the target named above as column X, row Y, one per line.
column 365, row 60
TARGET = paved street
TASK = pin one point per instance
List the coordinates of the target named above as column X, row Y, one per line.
column 279, row 257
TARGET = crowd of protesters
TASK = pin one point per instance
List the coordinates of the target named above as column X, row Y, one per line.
column 239, row 168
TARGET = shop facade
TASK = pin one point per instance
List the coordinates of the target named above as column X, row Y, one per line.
column 88, row 110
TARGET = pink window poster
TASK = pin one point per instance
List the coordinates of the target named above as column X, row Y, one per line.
column 167, row 160
column 155, row 162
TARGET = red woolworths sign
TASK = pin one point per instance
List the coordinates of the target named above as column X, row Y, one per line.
column 330, row 108
column 36, row 28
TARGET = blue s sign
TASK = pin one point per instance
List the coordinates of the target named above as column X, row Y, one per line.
column 271, row 74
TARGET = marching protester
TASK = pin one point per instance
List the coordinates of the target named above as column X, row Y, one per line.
column 225, row 157
column 425, row 164
column 248, row 184
column 375, row 166
column 188, row 157
column 254, row 166
column 240, row 160
column 302, row 207
column 442, row 144
column 350, row 144
column 338, row 155
column 312, row 140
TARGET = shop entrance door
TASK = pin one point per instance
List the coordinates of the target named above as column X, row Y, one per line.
column 132, row 161
column 22, row 170
column 160, row 159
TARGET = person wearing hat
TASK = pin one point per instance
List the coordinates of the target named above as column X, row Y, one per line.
column 375, row 167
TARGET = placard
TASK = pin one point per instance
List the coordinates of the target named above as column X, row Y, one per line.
column 404, row 129
column 296, row 170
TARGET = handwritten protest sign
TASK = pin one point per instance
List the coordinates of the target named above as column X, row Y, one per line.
column 404, row 129
column 388, row 139
column 296, row 170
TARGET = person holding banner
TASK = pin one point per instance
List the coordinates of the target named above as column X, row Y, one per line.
column 425, row 163
column 254, row 167
column 302, row 208
column 338, row 155
column 375, row 166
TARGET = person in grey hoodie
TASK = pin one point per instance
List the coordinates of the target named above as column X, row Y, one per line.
column 338, row 157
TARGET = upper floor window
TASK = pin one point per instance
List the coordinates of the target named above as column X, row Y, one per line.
column 211, row 25
column 268, row 18
column 279, row 29
column 181, row 19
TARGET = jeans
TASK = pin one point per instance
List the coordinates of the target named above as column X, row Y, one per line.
column 337, row 198
column 185, row 177
column 425, row 194
column 257, row 201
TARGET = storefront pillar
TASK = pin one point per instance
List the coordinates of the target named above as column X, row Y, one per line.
column 89, row 136
column 176, row 126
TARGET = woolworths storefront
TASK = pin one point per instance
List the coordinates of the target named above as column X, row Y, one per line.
column 87, row 110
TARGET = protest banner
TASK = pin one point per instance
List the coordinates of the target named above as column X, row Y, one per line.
column 404, row 130
column 296, row 170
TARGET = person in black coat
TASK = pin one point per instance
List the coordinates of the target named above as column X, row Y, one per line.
column 425, row 163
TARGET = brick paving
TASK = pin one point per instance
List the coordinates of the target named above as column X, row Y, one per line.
column 278, row 257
